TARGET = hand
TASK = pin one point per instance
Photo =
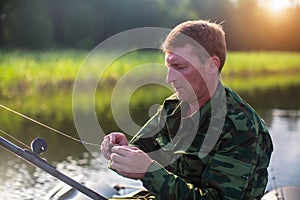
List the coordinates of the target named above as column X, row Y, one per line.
column 110, row 140
column 130, row 161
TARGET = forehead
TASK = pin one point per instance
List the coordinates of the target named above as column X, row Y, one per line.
column 186, row 53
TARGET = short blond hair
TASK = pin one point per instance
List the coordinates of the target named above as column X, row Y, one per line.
column 209, row 35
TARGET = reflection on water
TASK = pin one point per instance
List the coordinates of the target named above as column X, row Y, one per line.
column 285, row 162
column 280, row 109
column 22, row 181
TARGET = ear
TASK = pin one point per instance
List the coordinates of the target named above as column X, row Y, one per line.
column 214, row 64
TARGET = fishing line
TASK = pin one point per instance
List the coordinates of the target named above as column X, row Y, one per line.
column 15, row 139
column 50, row 128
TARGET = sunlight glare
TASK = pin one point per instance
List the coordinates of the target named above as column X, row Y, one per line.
column 278, row 5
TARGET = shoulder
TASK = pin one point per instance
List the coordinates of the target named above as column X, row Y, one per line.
column 242, row 115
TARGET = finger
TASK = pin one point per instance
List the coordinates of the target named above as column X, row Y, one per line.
column 105, row 143
column 106, row 138
column 118, row 138
column 123, row 150
column 133, row 148
column 127, row 171
column 112, row 138
column 105, row 147
column 106, row 154
column 118, row 158
column 117, row 166
column 115, row 137
column 120, row 166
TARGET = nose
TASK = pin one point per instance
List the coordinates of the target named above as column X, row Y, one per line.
column 171, row 75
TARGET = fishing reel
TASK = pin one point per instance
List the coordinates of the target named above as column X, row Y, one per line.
column 39, row 146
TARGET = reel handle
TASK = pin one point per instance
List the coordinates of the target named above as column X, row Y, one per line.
column 39, row 146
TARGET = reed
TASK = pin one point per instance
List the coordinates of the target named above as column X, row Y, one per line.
column 28, row 72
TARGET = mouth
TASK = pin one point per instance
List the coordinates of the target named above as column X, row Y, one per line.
column 179, row 89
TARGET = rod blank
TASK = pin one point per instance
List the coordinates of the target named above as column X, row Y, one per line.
column 35, row 160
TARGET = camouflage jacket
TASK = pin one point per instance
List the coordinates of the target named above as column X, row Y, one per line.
column 220, row 152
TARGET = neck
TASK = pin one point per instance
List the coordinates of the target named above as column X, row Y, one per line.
column 196, row 105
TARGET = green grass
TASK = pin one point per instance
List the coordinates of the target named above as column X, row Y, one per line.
column 259, row 63
column 27, row 73
column 23, row 72
column 249, row 71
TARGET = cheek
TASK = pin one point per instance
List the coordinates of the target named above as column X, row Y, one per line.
column 197, row 83
column 193, row 77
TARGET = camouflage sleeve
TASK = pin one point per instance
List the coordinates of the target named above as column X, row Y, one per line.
column 165, row 185
column 224, row 177
column 227, row 173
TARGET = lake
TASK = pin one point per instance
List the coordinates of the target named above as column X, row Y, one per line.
column 280, row 108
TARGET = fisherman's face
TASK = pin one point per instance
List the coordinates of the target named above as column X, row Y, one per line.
column 185, row 73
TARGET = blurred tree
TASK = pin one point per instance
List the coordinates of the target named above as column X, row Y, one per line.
column 116, row 16
column 2, row 17
column 243, row 31
column 220, row 11
column 74, row 22
column 27, row 24
column 289, row 30
column 85, row 23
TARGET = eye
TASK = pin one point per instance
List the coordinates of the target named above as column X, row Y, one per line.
column 180, row 67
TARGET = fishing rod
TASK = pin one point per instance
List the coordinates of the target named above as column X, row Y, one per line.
column 39, row 146
column 48, row 127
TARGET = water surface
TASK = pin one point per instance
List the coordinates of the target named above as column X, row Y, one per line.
column 280, row 108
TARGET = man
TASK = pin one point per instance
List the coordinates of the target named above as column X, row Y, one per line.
column 204, row 142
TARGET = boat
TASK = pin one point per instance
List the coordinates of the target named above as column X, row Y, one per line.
column 117, row 191
column 117, row 187
column 283, row 193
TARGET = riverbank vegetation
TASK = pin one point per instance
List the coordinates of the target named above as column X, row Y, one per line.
column 27, row 72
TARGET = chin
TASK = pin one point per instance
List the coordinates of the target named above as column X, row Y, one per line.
column 179, row 95
column 182, row 97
